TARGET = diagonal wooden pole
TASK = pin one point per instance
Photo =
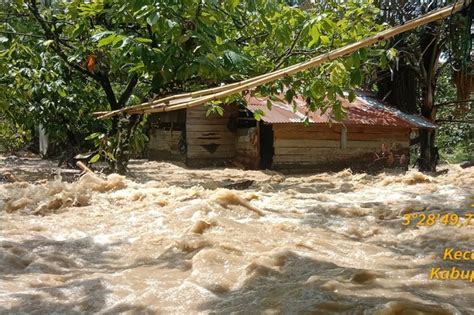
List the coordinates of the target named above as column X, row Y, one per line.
column 198, row 98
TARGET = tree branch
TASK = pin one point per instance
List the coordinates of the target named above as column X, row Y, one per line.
column 56, row 46
column 441, row 67
column 453, row 102
column 128, row 91
column 33, row 35
column 154, row 44
column 446, row 121
column 21, row 34
column 281, row 60
column 101, row 78
column 109, row 92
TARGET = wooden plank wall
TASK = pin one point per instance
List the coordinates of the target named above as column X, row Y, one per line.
column 177, row 117
column 163, row 144
column 247, row 152
column 319, row 145
column 209, row 139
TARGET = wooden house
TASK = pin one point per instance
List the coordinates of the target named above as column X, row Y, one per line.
column 373, row 135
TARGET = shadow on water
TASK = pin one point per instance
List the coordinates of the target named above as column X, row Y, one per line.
column 65, row 275
column 50, row 299
column 304, row 285
column 300, row 284
column 43, row 255
column 64, row 279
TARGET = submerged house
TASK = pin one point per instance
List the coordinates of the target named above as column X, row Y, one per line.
column 373, row 135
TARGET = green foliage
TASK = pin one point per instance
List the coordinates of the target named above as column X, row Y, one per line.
column 258, row 114
column 12, row 136
column 36, row 87
column 460, row 153
column 61, row 61
column 215, row 108
column 103, row 146
column 138, row 140
column 412, row 80
column 322, row 27
column 455, row 139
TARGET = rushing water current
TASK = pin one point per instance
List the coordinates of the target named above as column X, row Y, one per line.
column 171, row 240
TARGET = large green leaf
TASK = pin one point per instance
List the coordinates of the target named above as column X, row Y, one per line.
column 107, row 40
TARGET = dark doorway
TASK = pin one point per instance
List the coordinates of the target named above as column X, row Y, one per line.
column 266, row 145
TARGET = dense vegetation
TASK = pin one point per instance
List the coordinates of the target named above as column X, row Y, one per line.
column 422, row 78
column 455, row 138
column 62, row 60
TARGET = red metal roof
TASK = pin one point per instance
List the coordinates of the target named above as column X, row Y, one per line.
column 365, row 110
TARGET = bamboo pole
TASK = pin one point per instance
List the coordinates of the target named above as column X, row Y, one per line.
column 98, row 114
column 167, row 100
column 83, row 167
column 208, row 95
column 175, row 101
column 161, row 101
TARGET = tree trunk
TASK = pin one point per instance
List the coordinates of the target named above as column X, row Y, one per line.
column 122, row 126
column 401, row 88
column 125, row 128
column 428, row 151
column 430, row 47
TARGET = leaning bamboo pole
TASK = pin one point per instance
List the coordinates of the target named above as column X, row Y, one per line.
column 182, row 98
column 208, row 95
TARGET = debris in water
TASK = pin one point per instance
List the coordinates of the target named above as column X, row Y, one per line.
column 328, row 243
column 8, row 177
column 51, row 196
column 226, row 197
column 239, row 185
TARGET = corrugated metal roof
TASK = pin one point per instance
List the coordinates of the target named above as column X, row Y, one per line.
column 365, row 110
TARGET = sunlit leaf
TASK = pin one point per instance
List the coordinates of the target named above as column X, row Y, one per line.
column 106, row 40
column 153, row 18
column 269, row 104
column 143, row 40
column 95, row 158
column 258, row 114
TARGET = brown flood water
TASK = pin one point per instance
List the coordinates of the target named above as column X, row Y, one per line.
column 170, row 240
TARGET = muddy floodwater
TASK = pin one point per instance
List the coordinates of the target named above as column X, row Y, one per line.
column 167, row 239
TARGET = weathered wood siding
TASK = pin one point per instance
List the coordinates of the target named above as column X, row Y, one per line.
column 163, row 145
column 210, row 140
column 247, row 153
column 319, row 146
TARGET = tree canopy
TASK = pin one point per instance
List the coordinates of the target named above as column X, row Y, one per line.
column 61, row 60
column 179, row 45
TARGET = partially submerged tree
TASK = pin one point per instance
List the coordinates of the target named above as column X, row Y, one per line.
column 135, row 50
